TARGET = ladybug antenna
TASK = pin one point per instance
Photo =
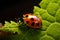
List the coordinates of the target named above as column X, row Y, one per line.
column 16, row 19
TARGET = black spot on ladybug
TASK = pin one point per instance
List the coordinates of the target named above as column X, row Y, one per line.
column 32, row 24
column 32, row 19
column 26, row 15
column 37, row 24
column 27, row 22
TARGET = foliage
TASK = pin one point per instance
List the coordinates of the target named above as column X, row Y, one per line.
column 50, row 15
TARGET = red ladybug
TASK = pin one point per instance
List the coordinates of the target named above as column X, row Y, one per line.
column 32, row 21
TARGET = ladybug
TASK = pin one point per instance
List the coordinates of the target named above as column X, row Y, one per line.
column 32, row 21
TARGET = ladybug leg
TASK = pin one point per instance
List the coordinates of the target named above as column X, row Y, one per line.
column 37, row 29
column 32, row 31
column 27, row 28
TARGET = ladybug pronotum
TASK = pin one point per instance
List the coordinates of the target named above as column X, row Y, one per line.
column 32, row 21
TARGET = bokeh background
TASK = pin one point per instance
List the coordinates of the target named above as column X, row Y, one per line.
column 48, row 10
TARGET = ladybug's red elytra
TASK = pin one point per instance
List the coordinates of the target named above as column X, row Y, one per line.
column 32, row 21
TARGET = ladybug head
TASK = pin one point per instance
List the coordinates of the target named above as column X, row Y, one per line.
column 26, row 16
